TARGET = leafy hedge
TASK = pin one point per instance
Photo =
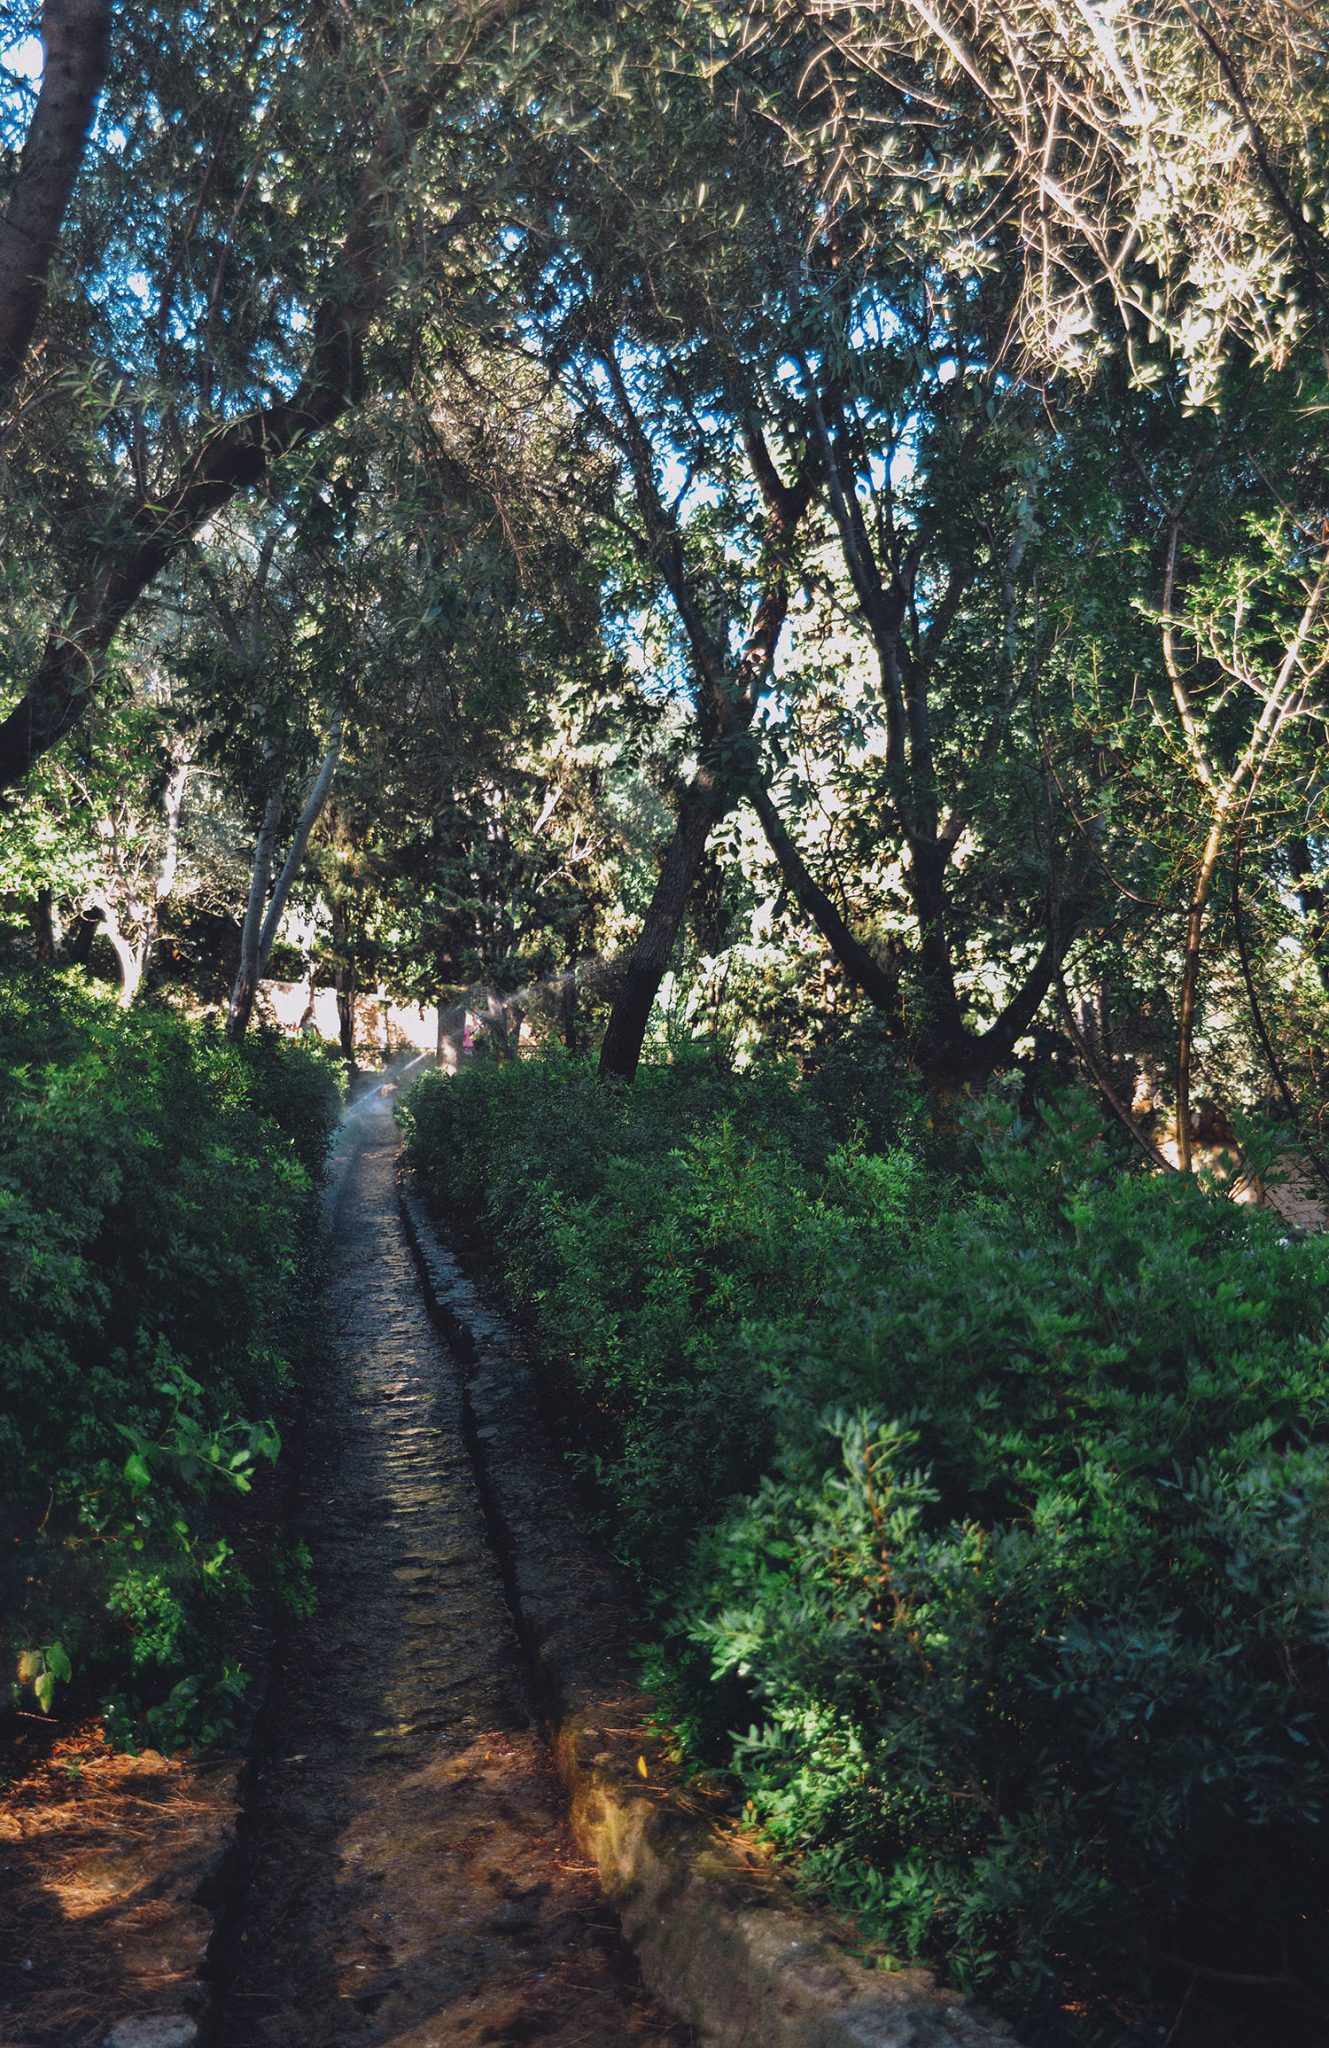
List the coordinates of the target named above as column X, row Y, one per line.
column 994, row 1519
column 157, row 1192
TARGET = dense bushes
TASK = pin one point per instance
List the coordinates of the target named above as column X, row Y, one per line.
column 996, row 1518
column 658, row 1254
column 156, row 1217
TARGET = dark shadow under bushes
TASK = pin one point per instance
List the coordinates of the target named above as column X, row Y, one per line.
column 992, row 1514
column 158, row 1214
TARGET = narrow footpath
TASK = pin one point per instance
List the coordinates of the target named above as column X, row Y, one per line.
column 412, row 1877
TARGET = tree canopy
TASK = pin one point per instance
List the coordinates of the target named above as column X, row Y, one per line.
column 821, row 499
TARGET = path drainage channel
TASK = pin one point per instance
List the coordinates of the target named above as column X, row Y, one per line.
column 411, row 1877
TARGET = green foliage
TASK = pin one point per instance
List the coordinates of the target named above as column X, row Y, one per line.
column 995, row 1519
column 157, row 1193
column 669, row 1238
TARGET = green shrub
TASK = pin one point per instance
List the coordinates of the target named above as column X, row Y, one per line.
column 1036, row 1630
column 157, row 1192
column 994, row 1516
column 670, row 1239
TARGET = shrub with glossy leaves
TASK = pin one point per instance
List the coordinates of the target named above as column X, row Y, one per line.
column 992, row 1515
column 156, row 1215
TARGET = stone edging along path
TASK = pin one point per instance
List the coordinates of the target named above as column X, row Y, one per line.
column 720, row 1941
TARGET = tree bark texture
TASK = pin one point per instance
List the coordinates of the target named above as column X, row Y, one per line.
column 45, row 936
column 128, row 957
column 75, row 37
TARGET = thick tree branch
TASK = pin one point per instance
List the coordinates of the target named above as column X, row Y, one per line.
column 75, row 36
column 881, row 989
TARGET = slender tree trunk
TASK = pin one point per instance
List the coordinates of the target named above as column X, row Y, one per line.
column 172, row 805
column 344, row 984
column 75, row 38
column 1190, row 981
column 567, row 1005
column 319, row 792
column 704, row 803
column 343, row 978
column 244, row 989
column 259, row 933
column 45, row 937
column 881, row 989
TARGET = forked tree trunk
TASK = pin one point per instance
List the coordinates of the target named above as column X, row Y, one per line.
column 949, row 1058
column 128, row 957
column 259, row 931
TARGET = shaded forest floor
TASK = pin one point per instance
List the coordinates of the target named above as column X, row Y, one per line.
column 109, row 1865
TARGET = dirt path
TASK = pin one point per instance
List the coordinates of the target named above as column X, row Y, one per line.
column 413, row 1879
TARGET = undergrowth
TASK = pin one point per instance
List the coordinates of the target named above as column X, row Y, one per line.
column 982, row 1520
column 157, row 1224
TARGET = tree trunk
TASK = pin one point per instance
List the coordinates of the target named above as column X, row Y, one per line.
column 503, row 1020
column 45, row 936
column 943, row 1027
column 294, row 861
column 881, row 989
column 128, row 958
column 259, row 933
column 172, row 804
column 567, row 1004
column 82, row 934
column 951, row 1058
column 343, row 978
column 1190, row 981
column 705, row 801
column 245, row 987
column 344, row 983
column 451, row 1036
column 75, row 38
